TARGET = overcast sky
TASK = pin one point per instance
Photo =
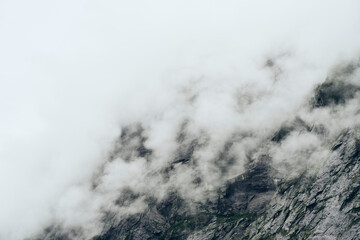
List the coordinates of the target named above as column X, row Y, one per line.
column 72, row 73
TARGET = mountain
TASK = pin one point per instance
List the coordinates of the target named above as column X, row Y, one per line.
column 257, row 205
column 300, row 180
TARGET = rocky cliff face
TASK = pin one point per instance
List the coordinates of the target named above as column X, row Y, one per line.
column 258, row 205
column 298, row 180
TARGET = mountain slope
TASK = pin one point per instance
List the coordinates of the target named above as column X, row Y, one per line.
column 257, row 205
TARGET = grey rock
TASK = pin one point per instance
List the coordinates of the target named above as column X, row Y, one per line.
column 252, row 206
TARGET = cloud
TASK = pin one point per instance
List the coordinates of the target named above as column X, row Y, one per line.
column 76, row 75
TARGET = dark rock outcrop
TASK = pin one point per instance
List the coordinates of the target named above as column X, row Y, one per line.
column 336, row 89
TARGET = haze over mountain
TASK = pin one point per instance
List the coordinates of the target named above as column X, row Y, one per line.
column 179, row 119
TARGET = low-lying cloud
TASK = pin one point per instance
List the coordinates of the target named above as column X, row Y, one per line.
column 105, row 100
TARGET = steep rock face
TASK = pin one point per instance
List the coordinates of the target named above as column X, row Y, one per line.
column 250, row 192
column 256, row 205
column 337, row 89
